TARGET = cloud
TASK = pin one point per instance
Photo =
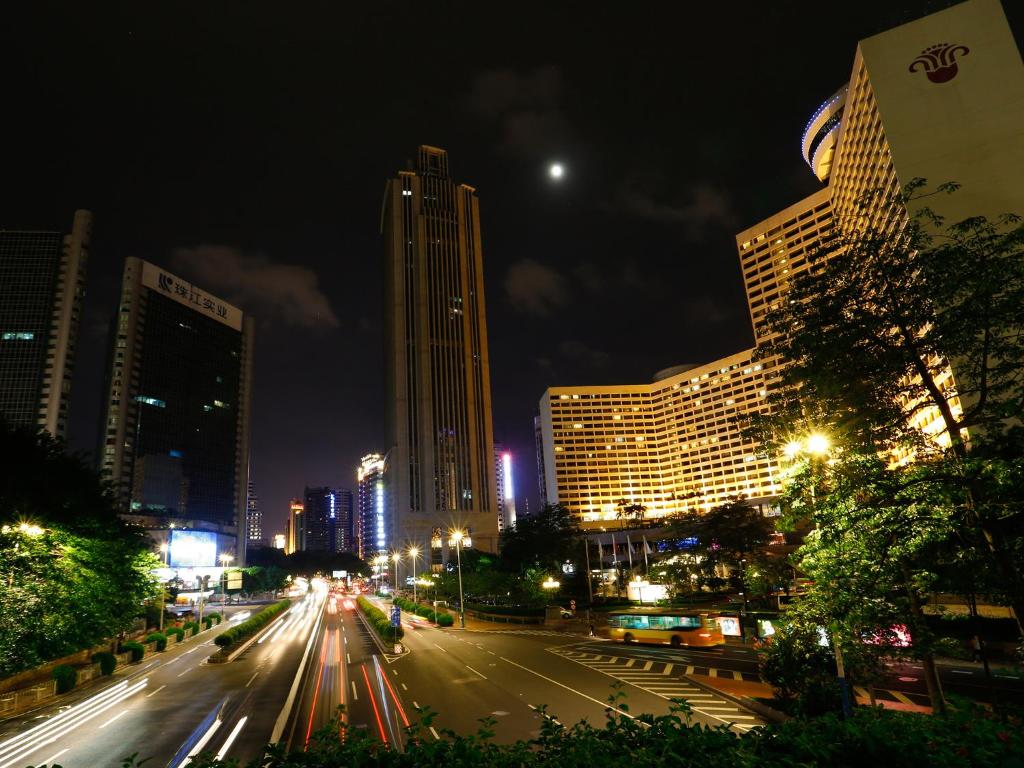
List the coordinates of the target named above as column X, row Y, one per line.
column 575, row 351
column 282, row 292
column 702, row 206
column 525, row 106
column 534, row 288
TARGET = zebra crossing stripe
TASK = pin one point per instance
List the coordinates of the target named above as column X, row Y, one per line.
column 689, row 670
column 648, row 665
column 668, row 669
column 737, row 675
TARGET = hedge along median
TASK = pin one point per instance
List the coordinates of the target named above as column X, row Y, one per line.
column 380, row 622
column 443, row 618
column 251, row 625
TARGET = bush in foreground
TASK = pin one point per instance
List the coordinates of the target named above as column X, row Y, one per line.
column 159, row 638
column 193, row 625
column 106, row 660
column 251, row 625
column 66, row 677
column 178, row 632
column 380, row 622
column 969, row 736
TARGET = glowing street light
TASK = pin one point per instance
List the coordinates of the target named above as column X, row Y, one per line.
column 818, row 444
column 396, row 557
column 457, row 537
column 413, row 554
column 550, row 583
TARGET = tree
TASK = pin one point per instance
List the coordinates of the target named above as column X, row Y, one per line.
column 625, row 510
column 74, row 572
column 547, row 540
column 867, row 339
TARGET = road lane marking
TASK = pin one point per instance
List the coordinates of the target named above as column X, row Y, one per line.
column 479, row 673
column 251, row 679
column 156, row 691
column 289, row 702
column 689, row 670
column 737, row 675
column 901, row 698
column 602, row 704
column 434, row 733
column 122, row 712
column 712, row 672
column 961, row 671
column 355, row 693
column 415, row 705
column 404, row 688
column 439, row 647
column 492, row 653
column 187, row 669
column 348, row 657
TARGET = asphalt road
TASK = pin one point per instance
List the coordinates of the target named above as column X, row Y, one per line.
column 167, row 704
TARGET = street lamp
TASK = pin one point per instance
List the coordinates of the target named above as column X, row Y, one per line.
column 163, row 552
column 224, row 558
column 413, row 554
column 456, row 538
column 395, row 558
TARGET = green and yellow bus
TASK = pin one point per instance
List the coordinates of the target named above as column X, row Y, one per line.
column 675, row 629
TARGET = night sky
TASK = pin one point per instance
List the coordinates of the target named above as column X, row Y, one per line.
column 246, row 146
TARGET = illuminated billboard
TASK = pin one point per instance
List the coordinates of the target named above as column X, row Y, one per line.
column 193, row 549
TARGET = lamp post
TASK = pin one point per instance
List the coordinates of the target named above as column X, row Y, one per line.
column 224, row 558
column 413, row 553
column 457, row 537
column 816, row 445
column 395, row 558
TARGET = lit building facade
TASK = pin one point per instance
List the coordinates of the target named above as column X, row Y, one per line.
column 670, row 445
column 279, row 541
column 42, row 283
column 371, row 527
column 175, row 440
column 295, row 535
column 941, row 98
column 506, row 488
column 440, row 460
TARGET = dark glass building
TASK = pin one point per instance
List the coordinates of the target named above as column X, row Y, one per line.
column 328, row 518
column 42, row 282
column 175, row 441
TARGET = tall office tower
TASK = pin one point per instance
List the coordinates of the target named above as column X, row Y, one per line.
column 440, row 459
column 42, row 282
column 538, row 447
column 328, row 516
column 370, row 524
column 253, row 516
column 669, row 446
column 175, row 441
column 506, row 488
column 295, row 533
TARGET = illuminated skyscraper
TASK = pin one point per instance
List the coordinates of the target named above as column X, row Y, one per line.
column 328, row 515
column 42, row 282
column 440, row 458
column 253, row 517
column 506, row 488
column 296, row 533
column 370, row 524
column 175, row 441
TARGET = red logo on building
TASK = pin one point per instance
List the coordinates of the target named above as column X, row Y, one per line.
column 939, row 61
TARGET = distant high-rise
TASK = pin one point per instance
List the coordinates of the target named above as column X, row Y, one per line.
column 440, row 460
column 506, row 488
column 42, row 282
column 253, row 516
column 175, row 442
column 328, row 520
column 295, row 534
column 370, row 518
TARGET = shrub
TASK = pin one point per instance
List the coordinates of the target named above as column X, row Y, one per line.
column 159, row 638
column 178, row 632
column 138, row 650
column 66, row 677
column 380, row 622
column 193, row 625
column 214, row 617
column 251, row 625
column 506, row 610
column 445, row 619
column 801, row 671
column 952, row 648
column 106, row 660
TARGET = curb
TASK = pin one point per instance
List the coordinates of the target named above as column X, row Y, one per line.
column 211, row 659
column 377, row 640
column 754, row 707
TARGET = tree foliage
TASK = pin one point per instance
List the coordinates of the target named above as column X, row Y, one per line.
column 545, row 540
column 74, row 573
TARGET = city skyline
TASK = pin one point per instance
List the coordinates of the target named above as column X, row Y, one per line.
column 626, row 216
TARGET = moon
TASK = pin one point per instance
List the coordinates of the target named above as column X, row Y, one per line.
column 556, row 171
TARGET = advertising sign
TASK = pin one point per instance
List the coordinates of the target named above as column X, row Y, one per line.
column 340, row 574
column 730, row 625
column 193, row 549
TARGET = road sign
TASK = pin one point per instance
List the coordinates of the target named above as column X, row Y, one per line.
column 396, row 616
column 572, row 605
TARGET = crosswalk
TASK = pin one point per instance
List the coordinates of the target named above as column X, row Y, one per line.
column 664, row 679
column 538, row 632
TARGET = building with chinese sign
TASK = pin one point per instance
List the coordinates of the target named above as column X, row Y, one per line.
column 175, row 439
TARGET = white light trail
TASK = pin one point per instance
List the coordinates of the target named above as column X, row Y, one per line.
column 231, row 737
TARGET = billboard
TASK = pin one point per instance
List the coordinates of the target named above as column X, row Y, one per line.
column 193, row 549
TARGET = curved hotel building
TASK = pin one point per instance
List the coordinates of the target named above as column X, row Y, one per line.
column 941, row 98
